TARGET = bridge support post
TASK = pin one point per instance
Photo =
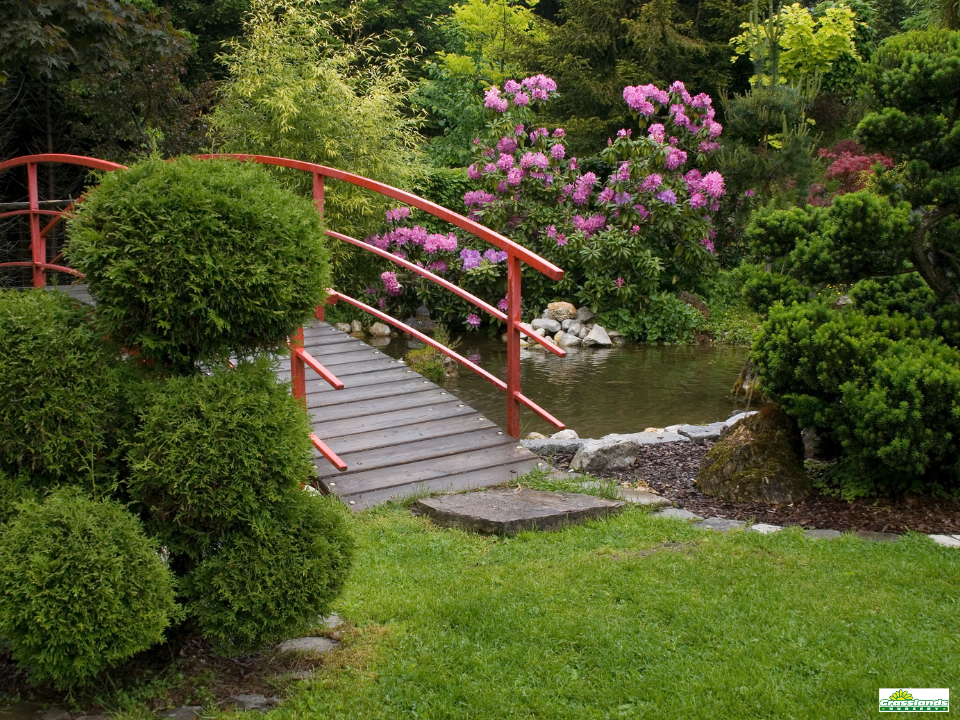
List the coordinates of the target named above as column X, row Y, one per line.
column 298, row 372
column 38, row 243
column 513, row 345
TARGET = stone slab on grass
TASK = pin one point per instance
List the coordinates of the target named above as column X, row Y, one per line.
column 307, row 646
column 679, row 514
column 815, row 534
column 764, row 528
column 946, row 540
column 509, row 511
column 701, row 433
column 617, row 452
column 640, row 497
column 721, row 524
column 877, row 536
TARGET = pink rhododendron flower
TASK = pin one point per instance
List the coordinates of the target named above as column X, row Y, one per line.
column 473, row 173
column 507, row 145
column 473, row 320
column 658, row 132
column 493, row 100
column 521, row 99
column 697, row 200
column 606, row 195
column 477, row 197
column 511, row 86
column 514, row 176
column 674, row 158
column 712, row 184
column 503, row 304
column 390, row 283
column 470, row 258
column 651, row 183
column 619, row 282
column 667, row 196
column 437, row 267
column 495, row 256
column 505, row 162
column 558, row 151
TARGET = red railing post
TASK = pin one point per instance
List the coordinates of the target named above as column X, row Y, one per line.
column 513, row 345
column 298, row 371
column 318, row 204
column 38, row 243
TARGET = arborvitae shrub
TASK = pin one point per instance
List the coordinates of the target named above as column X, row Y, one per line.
column 273, row 580
column 59, row 390
column 81, row 587
column 194, row 260
column 762, row 289
column 211, row 452
column 14, row 489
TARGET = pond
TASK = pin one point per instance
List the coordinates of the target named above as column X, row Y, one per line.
column 600, row 391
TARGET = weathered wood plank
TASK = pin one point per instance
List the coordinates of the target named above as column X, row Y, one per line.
column 379, row 437
column 442, row 448
column 375, row 406
column 320, row 397
column 316, row 386
column 334, row 427
column 429, row 469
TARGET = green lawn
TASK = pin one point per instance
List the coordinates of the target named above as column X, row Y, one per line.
column 633, row 617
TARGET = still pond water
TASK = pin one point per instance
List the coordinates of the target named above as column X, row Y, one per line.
column 600, row 391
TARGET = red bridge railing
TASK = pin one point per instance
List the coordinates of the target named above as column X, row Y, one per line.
column 300, row 358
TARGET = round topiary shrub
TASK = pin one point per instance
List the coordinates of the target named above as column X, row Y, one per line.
column 210, row 452
column 274, row 580
column 81, row 587
column 197, row 259
column 59, row 390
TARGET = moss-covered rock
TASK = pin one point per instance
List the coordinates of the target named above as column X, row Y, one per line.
column 758, row 459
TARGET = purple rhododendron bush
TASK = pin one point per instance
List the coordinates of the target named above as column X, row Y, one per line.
column 630, row 232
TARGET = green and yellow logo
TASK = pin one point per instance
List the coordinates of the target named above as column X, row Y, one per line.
column 914, row 700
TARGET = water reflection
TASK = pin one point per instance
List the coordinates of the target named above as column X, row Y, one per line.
column 600, row 391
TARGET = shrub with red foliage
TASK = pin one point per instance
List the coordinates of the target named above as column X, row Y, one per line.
column 850, row 166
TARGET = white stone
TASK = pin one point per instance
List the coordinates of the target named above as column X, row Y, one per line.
column 379, row 329
column 307, row 646
column 641, row 497
column 333, row 621
column 567, row 434
column 575, row 327
column 356, row 326
column 729, row 422
column 616, row 452
column 946, row 540
column 765, row 529
column 541, row 332
column 344, row 328
column 584, row 314
column 551, row 326
column 568, row 340
column 597, row 337
column 565, row 325
column 679, row 514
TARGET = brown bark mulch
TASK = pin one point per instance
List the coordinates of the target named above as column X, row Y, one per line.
column 669, row 470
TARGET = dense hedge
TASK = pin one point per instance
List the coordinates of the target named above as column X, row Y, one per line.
column 883, row 390
column 59, row 391
column 194, row 260
column 210, row 453
column 274, row 579
column 81, row 587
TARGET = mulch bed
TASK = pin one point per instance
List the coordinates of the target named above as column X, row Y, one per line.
column 669, row 470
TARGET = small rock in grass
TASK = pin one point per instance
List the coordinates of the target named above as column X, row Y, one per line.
column 307, row 646
column 721, row 524
column 765, row 529
column 186, row 712
column 946, row 541
column 244, row 701
column 815, row 534
column 679, row 514
column 333, row 622
column 877, row 536
column 640, row 497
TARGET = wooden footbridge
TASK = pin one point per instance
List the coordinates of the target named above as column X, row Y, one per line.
column 380, row 430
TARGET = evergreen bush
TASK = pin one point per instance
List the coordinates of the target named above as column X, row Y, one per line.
column 762, row 289
column 197, row 260
column 81, row 588
column 275, row 579
column 59, row 390
column 211, row 452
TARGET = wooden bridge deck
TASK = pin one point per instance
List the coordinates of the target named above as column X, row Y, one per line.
column 398, row 432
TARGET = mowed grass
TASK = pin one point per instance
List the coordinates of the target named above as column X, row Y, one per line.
column 636, row 617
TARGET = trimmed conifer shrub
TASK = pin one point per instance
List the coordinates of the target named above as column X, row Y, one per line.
column 210, row 453
column 59, row 390
column 274, row 579
column 81, row 587
column 193, row 260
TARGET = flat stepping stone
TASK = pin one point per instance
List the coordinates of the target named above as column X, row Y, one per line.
column 877, row 536
column 641, row 497
column 509, row 511
column 946, row 540
column 721, row 524
column 764, row 528
column 307, row 646
column 186, row 712
column 815, row 534
column 246, row 701
column 679, row 514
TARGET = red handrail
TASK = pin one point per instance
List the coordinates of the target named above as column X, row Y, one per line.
column 300, row 359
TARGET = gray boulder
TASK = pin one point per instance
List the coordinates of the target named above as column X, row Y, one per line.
column 575, row 327
column 617, row 452
column 551, row 326
column 567, row 434
column 597, row 338
column 380, row 330
column 565, row 324
column 701, row 433
column 734, row 419
column 356, row 326
column 568, row 340
column 561, row 311
column 344, row 328
column 549, row 446
column 307, row 646
column 585, row 315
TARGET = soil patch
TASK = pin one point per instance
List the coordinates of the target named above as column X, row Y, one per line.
column 166, row 676
column 669, row 469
